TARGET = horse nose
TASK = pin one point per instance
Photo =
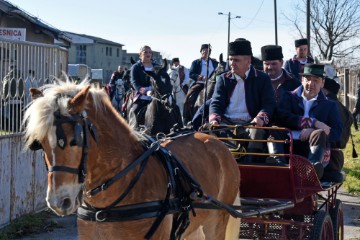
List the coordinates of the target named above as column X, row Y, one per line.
column 65, row 204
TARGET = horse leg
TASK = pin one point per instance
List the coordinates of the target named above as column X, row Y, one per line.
column 221, row 225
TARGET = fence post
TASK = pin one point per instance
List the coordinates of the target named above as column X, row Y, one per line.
column 346, row 87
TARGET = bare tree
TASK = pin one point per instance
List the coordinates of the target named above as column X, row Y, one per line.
column 335, row 26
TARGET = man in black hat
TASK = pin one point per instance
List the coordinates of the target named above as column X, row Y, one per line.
column 313, row 119
column 184, row 74
column 281, row 80
column 296, row 64
column 200, row 72
column 243, row 94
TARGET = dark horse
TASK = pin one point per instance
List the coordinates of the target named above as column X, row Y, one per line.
column 162, row 113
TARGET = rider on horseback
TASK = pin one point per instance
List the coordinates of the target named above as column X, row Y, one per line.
column 199, row 72
column 141, row 81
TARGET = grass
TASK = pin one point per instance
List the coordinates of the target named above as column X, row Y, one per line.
column 352, row 165
column 28, row 224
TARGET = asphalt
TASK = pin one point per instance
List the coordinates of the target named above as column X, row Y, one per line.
column 351, row 207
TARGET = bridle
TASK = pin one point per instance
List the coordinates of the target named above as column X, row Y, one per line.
column 176, row 87
column 82, row 126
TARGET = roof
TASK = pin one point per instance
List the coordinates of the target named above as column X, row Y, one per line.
column 15, row 11
column 94, row 39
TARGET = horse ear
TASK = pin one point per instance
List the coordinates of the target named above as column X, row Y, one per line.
column 221, row 59
column 77, row 103
column 132, row 61
column 165, row 64
column 35, row 93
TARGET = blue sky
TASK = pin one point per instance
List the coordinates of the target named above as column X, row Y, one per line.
column 174, row 28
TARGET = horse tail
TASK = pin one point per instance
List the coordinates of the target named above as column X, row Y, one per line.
column 233, row 225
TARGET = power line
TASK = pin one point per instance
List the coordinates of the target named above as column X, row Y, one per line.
column 257, row 12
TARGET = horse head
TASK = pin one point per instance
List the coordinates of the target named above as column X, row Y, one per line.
column 329, row 68
column 160, row 79
column 55, row 121
column 63, row 119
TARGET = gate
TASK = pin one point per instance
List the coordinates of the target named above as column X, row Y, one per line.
column 22, row 173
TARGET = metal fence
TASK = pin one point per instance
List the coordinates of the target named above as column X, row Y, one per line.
column 24, row 65
column 350, row 79
column 22, row 173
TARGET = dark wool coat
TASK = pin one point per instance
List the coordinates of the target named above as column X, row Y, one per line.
column 259, row 94
column 291, row 113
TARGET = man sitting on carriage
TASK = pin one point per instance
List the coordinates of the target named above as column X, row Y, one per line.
column 243, row 95
column 200, row 72
column 314, row 120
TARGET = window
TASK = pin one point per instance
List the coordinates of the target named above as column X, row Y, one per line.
column 81, row 54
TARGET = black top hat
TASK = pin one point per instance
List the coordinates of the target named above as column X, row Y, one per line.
column 175, row 60
column 331, row 85
column 302, row 41
column 203, row 46
column 271, row 52
column 240, row 47
column 314, row 70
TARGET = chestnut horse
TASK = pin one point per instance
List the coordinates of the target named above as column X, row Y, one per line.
column 120, row 187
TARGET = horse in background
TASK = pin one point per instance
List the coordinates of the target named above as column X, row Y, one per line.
column 210, row 84
column 176, row 74
column 329, row 68
column 119, row 95
column 162, row 113
column 101, row 167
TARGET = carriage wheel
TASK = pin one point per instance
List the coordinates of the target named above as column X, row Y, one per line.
column 337, row 216
column 323, row 227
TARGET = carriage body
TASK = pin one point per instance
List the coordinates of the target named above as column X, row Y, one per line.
column 290, row 201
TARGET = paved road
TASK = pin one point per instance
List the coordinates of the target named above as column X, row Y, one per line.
column 351, row 205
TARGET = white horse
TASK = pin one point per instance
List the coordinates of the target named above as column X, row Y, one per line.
column 119, row 95
column 329, row 68
column 178, row 93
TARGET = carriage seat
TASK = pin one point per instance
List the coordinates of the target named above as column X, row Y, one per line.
column 333, row 176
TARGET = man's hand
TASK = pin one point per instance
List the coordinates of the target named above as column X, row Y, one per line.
column 321, row 125
column 354, row 110
column 305, row 134
column 258, row 121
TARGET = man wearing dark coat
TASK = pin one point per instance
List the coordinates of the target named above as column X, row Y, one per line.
column 296, row 64
column 243, row 94
column 200, row 72
column 281, row 79
column 313, row 119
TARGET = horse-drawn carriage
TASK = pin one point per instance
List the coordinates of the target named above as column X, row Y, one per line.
column 290, row 200
column 126, row 185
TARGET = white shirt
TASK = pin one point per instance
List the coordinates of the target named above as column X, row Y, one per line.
column 204, row 67
column 237, row 110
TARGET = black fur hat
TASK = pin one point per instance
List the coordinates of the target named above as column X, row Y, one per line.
column 302, row 41
column 203, row 46
column 240, row 47
column 271, row 52
column 175, row 60
column 331, row 85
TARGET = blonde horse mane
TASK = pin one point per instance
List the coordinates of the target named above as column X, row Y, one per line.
column 39, row 117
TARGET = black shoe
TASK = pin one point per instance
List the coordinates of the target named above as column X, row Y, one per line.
column 275, row 161
column 319, row 169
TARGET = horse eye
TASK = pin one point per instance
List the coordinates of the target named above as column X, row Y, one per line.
column 73, row 143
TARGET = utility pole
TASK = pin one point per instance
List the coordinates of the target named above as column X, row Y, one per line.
column 229, row 19
column 308, row 23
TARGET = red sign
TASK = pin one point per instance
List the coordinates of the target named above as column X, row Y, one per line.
column 13, row 33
